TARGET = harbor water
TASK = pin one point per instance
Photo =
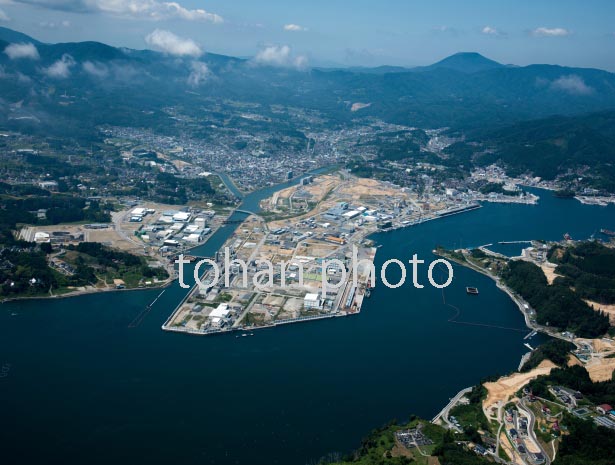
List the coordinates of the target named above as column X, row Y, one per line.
column 80, row 386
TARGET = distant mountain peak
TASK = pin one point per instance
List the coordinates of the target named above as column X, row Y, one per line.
column 11, row 36
column 466, row 62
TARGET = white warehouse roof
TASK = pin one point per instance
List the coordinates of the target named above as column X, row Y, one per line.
column 219, row 312
column 181, row 216
column 351, row 214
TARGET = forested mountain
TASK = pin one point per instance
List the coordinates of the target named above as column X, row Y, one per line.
column 572, row 146
column 94, row 83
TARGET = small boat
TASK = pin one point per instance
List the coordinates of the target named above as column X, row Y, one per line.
column 607, row 232
column 568, row 237
column 368, row 293
column 472, row 290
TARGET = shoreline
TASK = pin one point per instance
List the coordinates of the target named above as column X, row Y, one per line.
column 518, row 300
column 87, row 291
column 337, row 313
column 237, row 209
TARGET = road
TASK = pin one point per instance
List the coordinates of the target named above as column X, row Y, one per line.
column 530, row 430
column 445, row 411
column 117, row 218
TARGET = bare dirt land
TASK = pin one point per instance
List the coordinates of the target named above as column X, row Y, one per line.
column 549, row 271
column 315, row 192
column 601, row 369
column 500, row 391
column 504, row 444
column 572, row 360
column 365, row 187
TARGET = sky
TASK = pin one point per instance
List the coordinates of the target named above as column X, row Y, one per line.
column 335, row 32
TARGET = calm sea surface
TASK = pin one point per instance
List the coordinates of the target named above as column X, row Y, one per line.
column 79, row 386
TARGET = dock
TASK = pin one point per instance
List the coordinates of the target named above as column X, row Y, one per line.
column 531, row 335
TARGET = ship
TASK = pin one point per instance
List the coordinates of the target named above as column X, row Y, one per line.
column 607, row 232
column 472, row 290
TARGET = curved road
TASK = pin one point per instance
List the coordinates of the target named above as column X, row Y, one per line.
column 444, row 412
column 530, row 430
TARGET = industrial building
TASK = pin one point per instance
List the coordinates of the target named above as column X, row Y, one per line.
column 312, row 301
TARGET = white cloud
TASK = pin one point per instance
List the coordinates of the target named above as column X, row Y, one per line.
column 200, row 73
column 490, row 31
column 54, row 25
column 573, row 84
column 23, row 50
column 139, row 9
column 23, row 79
column 172, row 44
column 96, row 69
column 446, row 30
column 300, row 62
column 60, row 69
column 294, row 28
column 550, row 32
column 280, row 55
column 175, row 9
column 4, row 16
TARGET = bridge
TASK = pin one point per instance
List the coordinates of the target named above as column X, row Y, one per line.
column 247, row 212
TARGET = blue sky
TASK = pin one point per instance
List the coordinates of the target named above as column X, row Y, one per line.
column 334, row 32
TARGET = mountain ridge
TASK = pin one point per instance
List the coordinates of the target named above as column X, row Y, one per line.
column 467, row 62
column 460, row 92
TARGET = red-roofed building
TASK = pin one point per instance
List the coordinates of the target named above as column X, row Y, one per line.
column 604, row 409
column 556, row 426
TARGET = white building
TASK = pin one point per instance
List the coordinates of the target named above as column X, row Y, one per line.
column 138, row 212
column 351, row 214
column 181, row 217
column 49, row 185
column 220, row 311
column 218, row 315
column 41, row 236
column 312, row 301
column 192, row 238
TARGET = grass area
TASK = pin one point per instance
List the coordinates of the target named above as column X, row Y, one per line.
column 378, row 446
column 543, row 436
column 470, row 415
column 223, row 297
